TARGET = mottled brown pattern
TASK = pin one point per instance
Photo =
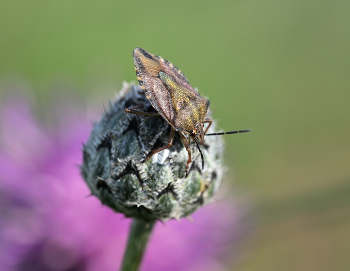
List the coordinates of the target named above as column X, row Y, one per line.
column 170, row 93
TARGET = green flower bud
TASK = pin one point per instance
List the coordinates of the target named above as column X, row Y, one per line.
column 117, row 171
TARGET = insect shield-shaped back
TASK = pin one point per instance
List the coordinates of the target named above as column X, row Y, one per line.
column 169, row 92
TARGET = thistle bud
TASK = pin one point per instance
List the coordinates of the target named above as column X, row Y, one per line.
column 117, row 171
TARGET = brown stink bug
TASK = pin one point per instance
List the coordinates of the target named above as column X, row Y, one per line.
column 172, row 96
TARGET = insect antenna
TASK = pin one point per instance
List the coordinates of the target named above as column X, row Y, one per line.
column 201, row 155
column 231, row 132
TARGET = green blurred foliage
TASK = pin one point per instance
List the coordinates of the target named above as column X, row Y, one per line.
column 278, row 67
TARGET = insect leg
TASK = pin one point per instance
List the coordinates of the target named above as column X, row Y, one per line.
column 172, row 132
column 207, row 121
column 187, row 146
column 131, row 110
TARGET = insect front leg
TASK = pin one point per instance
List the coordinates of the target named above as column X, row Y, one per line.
column 131, row 110
column 207, row 121
column 172, row 132
column 187, row 146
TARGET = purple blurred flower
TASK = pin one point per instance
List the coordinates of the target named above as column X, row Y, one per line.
column 48, row 222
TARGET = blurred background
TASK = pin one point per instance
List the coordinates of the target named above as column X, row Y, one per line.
column 280, row 68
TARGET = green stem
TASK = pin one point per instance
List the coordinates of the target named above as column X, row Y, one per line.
column 140, row 231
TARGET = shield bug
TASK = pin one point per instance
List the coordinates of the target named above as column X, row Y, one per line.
column 172, row 96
